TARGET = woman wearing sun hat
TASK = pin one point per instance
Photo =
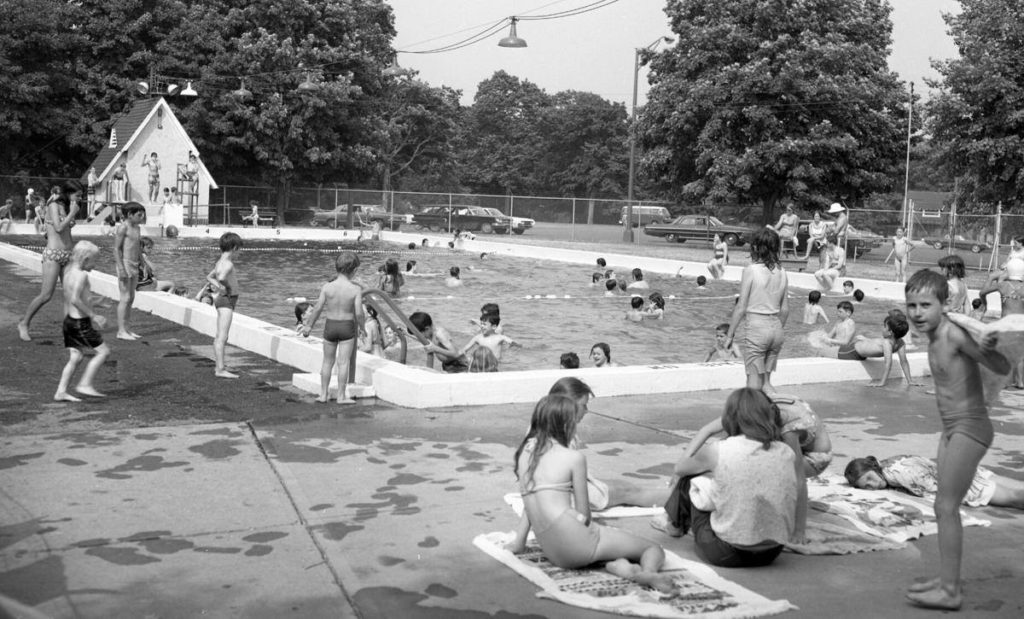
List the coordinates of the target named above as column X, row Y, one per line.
column 842, row 219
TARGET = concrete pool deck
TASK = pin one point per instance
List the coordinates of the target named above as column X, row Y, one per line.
column 182, row 495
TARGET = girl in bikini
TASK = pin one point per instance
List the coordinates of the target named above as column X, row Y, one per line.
column 59, row 217
column 717, row 265
column 553, row 482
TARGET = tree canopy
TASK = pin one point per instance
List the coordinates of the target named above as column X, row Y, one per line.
column 977, row 119
column 764, row 101
column 519, row 138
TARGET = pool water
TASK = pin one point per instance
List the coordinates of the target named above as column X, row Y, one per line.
column 270, row 272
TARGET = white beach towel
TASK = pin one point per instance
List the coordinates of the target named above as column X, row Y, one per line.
column 515, row 501
column 702, row 592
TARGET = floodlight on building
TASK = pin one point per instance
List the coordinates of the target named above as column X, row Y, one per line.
column 189, row 91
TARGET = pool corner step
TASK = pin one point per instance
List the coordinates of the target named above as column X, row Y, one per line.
column 310, row 383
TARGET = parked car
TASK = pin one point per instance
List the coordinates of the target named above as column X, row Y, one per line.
column 942, row 242
column 365, row 215
column 858, row 242
column 646, row 215
column 519, row 224
column 699, row 228
column 460, row 217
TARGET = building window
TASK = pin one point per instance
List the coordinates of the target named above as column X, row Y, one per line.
column 113, row 137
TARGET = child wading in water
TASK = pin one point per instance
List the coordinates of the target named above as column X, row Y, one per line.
column 343, row 302
column 954, row 359
column 553, row 482
column 223, row 280
column 721, row 352
column 813, row 309
column 79, row 334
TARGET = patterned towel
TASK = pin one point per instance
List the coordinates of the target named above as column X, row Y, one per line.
column 702, row 592
column 842, row 519
column 515, row 501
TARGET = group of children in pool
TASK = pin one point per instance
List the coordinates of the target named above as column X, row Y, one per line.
column 744, row 497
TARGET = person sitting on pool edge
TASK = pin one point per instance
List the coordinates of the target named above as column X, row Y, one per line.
column 439, row 343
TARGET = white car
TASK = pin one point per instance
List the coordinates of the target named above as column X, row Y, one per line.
column 519, row 224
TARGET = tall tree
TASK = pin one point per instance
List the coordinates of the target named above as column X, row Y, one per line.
column 770, row 100
column 978, row 117
column 586, row 151
column 503, row 138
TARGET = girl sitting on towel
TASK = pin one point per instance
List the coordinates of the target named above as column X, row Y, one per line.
column 601, row 494
column 553, row 482
column 919, row 477
column 744, row 496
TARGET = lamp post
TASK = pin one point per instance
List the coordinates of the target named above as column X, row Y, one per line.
column 627, row 232
column 161, row 85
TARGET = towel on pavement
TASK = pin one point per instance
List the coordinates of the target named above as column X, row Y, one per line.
column 842, row 519
column 702, row 592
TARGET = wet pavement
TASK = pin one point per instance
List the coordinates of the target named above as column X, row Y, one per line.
column 182, row 495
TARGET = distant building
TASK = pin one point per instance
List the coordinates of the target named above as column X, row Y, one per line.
column 123, row 168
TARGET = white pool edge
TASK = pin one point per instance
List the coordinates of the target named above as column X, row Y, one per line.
column 417, row 387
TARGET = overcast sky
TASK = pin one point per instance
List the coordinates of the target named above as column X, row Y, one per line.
column 594, row 51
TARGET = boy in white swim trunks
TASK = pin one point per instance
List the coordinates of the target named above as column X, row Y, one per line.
column 343, row 302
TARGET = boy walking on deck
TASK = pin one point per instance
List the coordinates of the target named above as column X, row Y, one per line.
column 343, row 302
column 954, row 359
column 79, row 317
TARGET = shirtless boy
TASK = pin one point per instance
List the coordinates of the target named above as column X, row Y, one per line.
column 954, row 359
column 842, row 331
column 894, row 328
column 153, row 163
column 79, row 317
column 223, row 280
column 343, row 302
column 127, row 259
column 488, row 338
column 439, row 343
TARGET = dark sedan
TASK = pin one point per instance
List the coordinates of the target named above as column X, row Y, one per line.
column 468, row 218
column 699, row 228
column 976, row 247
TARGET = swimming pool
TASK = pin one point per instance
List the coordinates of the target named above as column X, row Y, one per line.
column 269, row 272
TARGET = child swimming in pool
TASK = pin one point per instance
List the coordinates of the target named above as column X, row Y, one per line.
column 813, row 310
column 636, row 309
column 919, row 477
column 719, row 352
column 343, row 302
column 610, row 286
column 656, row 308
column 489, row 338
column 454, row 279
column 553, row 483
column 391, row 281
column 842, row 332
column 955, row 359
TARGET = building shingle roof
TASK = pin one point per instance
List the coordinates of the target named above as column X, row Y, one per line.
column 124, row 128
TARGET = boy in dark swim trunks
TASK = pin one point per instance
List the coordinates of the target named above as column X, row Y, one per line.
column 954, row 359
column 343, row 302
column 79, row 317
column 223, row 280
column 894, row 329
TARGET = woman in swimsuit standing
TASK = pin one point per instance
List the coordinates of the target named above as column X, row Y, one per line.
column 60, row 214
column 717, row 265
column 553, row 482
